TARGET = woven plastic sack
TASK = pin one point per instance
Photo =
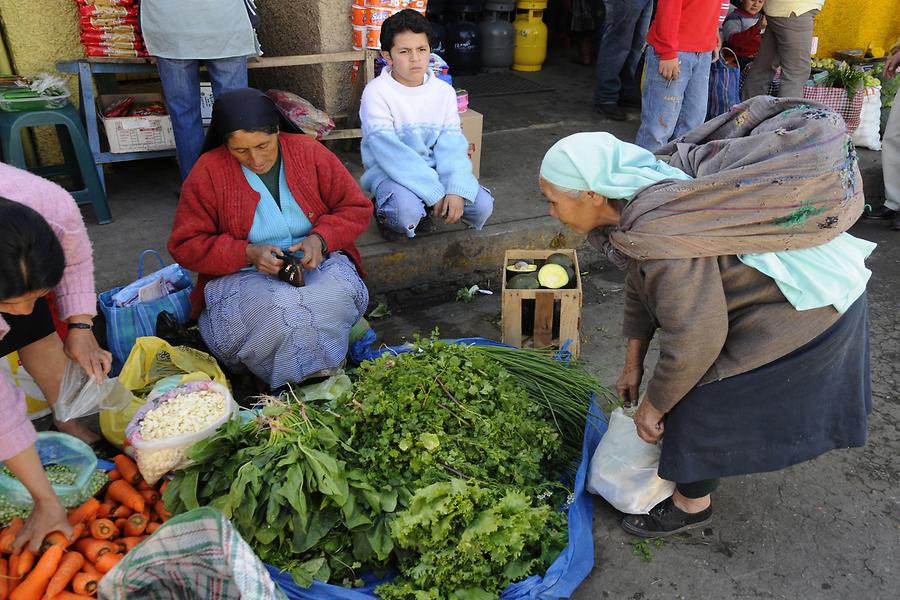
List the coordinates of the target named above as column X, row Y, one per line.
column 623, row 469
column 868, row 134
column 198, row 554
column 157, row 457
column 837, row 100
column 724, row 85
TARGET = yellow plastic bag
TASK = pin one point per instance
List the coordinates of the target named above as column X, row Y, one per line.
column 150, row 360
column 11, row 366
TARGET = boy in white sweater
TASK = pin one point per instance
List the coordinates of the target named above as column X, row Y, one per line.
column 413, row 149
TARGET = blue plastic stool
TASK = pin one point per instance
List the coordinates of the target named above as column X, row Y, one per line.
column 79, row 161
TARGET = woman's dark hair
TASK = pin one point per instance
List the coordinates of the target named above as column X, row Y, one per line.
column 267, row 129
column 405, row 20
column 31, row 257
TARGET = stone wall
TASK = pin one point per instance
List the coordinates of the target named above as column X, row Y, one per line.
column 306, row 27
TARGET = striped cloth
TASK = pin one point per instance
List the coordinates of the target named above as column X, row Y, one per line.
column 279, row 332
column 195, row 555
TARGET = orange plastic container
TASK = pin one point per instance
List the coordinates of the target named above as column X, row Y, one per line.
column 359, row 38
column 373, row 38
column 358, row 15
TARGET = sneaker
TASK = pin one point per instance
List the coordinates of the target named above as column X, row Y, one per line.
column 611, row 111
column 880, row 213
column 665, row 519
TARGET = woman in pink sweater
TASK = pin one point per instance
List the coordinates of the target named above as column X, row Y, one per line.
column 43, row 247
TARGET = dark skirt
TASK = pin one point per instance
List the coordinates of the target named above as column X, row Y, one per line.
column 813, row 400
column 25, row 329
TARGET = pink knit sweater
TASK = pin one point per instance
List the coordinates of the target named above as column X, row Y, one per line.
column 74, row 295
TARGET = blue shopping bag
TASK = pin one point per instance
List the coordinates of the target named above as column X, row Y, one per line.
column 724, row 85
column 124, row 324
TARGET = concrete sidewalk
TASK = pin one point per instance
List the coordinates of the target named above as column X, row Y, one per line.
column 518, row 129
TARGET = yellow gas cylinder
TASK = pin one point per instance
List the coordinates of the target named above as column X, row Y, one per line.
column 531, row 35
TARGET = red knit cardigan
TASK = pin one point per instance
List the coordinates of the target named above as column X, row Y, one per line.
column 217, row 206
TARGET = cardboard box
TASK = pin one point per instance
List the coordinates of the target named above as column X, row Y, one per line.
column 472, row 123
column 136, row 134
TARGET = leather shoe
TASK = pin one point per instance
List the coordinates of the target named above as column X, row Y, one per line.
column 880, row 213
column 665, row 519
column 612, row 111
column 895, row 223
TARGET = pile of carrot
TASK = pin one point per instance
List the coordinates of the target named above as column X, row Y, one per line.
column 105, row 528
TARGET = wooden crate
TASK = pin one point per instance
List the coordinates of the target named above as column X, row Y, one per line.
column 569, row 322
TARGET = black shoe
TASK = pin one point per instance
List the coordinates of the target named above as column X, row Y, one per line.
column 426, row 225
column 895, row 223
column 611, row 111
column 665, row 519
column 880, row 213
column 633, row 103
column 391, row 235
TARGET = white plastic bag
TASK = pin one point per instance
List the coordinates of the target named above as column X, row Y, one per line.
column 868, row 134
column 156, row 457
column 623, row 469
column 81, row 396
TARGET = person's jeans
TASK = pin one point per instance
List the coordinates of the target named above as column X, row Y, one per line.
column 181, row 87
column 787, row 43
column 400, row 210
column 619, row 53
column 669, row 109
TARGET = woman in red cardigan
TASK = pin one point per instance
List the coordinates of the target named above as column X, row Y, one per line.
column 256, row 195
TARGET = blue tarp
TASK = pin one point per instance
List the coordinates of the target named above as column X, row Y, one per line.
column 564, row 575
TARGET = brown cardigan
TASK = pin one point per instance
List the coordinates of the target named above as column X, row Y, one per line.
column 716, row 317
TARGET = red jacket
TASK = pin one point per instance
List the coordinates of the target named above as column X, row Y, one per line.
column 685, row 26
column 217, row 205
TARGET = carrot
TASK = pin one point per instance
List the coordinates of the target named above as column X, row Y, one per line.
column 121, row 491
column 56, row 538
column 69, row 566
column 9, row 535
column 90, row 569
column 127, row 544
column 106, row 509
column 120, row 523
column 26, row 562
column 103, row 529
column 84, row 583
column 4, row 581
column 71, row 596
column 164, row 485
column 106, row 562
column 113, row 475
column 11, row 569
column 93, row 549
column 143, row 485
column 151, row 496
column 35, row 584
column 160, row 509
column 128, row 469
column 135, row 525
column 152, row 526
column 122, row 512
column 85, row 512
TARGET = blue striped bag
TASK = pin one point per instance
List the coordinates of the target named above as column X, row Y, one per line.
column 724, row 85
column 124, row 324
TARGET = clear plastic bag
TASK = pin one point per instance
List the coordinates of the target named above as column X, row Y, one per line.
column 623, row 469
column 61, row 450
column 157, row 457
column 81, row 396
